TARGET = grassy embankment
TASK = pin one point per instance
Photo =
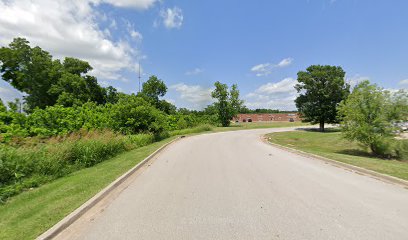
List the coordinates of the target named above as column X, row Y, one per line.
column 31, row 212
column 333, row 146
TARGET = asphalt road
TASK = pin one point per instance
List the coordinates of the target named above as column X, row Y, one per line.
column 234, row 186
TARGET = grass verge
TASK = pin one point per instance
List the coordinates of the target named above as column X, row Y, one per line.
column 30, row 213
column 331, row 145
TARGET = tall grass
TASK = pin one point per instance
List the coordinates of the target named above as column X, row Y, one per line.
column 25, row 167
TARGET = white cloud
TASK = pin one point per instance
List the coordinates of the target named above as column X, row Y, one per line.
column 279, row 95
column 172, row 17
column 195, row 71
column 403, row 83
column 70, row 28
column 285, row 62
column 264, row 69
column 356, row 79
column 136, row 35
column 196, row 95
column 284, row 86
column 138, row 4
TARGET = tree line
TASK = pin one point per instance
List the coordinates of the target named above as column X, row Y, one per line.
column 368, row 114
column 61, row 97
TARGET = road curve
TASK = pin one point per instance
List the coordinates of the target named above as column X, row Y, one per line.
column 234, row 186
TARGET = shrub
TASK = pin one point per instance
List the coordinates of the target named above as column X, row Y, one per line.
column 133, row 114
column 401, row 149
column 368, row 115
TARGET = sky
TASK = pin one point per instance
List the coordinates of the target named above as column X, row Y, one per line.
column 259, row 45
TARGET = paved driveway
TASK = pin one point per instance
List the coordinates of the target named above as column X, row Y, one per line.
column 233, row 186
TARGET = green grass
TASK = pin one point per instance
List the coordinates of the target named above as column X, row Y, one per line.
column 331, row 145
column 30, row 213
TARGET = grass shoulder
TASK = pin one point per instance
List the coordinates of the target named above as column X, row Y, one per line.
column 333, row 146
column 30, row 213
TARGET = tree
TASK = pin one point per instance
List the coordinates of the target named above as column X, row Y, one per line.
column 73, row 89
column 321, row 89
column 112, row 95
column 15, row 106
column 369, row 115
column 47, row 81
column 30, row 70
column 2, row 106
column 228, row 103
column 154, row 88
column 236, row 103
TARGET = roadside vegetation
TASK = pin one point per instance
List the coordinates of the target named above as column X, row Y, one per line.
column 373, row 121
column 33, row 211
column 333, row 145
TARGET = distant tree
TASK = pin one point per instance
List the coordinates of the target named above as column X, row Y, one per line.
column 2, row 106
column 236, row 103
column 15, row 106
column 227, row 104
column 112, row 95
column 154, row 88
column 369, row 116
column 321, row 89
column 166, row 107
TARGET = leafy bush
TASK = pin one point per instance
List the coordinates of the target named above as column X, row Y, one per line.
column 133, row 114
column 401, row 149
column 368, row 115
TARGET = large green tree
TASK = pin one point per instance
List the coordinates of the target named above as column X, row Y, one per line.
column 321, row 89
column 46, row 81
column 228, row 102
column 30, row 70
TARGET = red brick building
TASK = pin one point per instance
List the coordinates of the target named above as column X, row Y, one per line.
column 267, row 117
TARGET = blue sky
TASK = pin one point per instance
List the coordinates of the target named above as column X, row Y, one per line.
column 260, row 45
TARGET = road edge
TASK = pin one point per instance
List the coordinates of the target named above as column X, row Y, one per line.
column 77, row 213
column 360, row 170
